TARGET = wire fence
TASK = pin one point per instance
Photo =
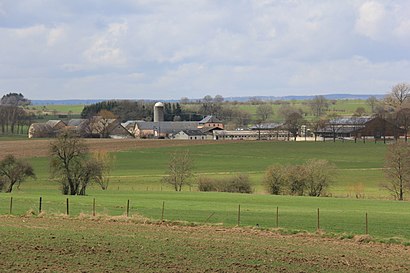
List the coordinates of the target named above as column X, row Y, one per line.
column 238, row 215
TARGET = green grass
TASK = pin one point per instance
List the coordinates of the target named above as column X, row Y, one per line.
column 63, row 108
column 337, row 215
column 137, row 176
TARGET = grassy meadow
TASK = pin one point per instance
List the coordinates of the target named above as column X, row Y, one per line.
column 137, row 174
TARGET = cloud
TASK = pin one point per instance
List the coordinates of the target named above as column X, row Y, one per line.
column 170, row 49
column 371, row 18
column 105, row 48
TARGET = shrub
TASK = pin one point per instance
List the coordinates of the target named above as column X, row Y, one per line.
column 239, row 183
column 206, row 184
column 275, row 179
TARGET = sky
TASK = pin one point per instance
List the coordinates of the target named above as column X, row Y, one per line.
column 169, row 49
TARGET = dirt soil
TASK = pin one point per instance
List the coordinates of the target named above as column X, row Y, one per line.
column 31, row 244
column 40, row 147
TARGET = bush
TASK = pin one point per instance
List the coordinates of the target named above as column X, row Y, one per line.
column 206, row 184
column 275, row 179
column 311, row 178
column 239, row 183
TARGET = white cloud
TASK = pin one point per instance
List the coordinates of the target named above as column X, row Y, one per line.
column 55, row 35
column 106, row 48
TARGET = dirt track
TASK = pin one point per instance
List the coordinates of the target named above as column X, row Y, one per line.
column 39, row 147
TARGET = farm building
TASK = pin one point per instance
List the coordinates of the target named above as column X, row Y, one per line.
column 95, row 127
column 358, row 127
column 210, row 122
column 173, row 129
column 251, row 135
column 191, row 135
column 39, row 130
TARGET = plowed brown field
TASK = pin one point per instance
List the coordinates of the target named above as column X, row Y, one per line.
column 39, row 147
column 80, row 245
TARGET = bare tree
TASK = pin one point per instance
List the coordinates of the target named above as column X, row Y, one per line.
column 13, row 170
column 318, row 105
column 399, row 94
column 293, row 121
column 105, row 160
column 68, row 154
column 179, row 169
column 264, row 112
column 372, row 101
column 397, row 169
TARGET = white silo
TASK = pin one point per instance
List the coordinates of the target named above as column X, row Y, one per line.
column 158, row 112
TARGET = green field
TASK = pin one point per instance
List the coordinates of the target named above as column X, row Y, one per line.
column 341, row 107
column 137, row 177
column 74, row 109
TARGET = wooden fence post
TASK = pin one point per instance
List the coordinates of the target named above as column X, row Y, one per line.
column 67, row 207
column 128, row 208
column 39, row 207
column 163, row 208
column 11, row 205
column 277, row 217
column 239, row 215
column 94, row 207
column 367, row 225
column 318, row 219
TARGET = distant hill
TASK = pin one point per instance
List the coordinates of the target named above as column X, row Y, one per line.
column 240, row 99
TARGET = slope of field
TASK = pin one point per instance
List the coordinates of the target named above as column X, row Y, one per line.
column 80, row 245
column 40, row 147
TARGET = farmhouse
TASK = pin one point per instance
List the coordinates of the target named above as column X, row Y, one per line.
column 358, row 127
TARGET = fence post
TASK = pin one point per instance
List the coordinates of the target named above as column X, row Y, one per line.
column 39, row 207
column 128, row 208
column 277, row 217
column 94, row 207
column 11, row 205
column 318, row 219
column 239, row 215
column 163, row 208
column 367, row 225
column 67, row 207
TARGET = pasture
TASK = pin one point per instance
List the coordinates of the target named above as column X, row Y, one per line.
column 140, row 165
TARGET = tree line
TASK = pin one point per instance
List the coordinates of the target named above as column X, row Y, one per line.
column 13, row 118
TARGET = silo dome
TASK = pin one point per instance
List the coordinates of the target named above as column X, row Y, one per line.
column 158, row 112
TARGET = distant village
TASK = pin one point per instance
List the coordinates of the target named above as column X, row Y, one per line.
column 212, row 128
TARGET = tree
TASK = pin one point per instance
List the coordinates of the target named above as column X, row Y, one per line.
column 360, row 111
column 318, row 105
column 319, row 174
column 179, row 169
column 372, row 101
column 105, row 161
column 263, row 112
column 14, row 99
column 70, row 165
column 13, row 170
column 397, row 169
column 399, row 94
column 293, row 121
